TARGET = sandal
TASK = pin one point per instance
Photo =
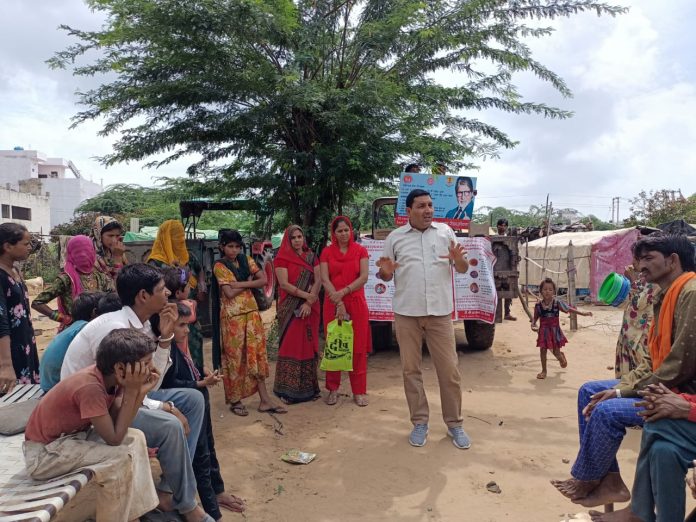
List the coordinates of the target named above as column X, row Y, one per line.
column 273, row 409
column 361, row 400
column 332, row 399
column 239, row 409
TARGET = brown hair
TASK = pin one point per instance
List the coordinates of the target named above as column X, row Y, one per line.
column 547, row 281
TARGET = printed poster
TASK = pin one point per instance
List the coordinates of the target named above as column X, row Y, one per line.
column 378, row 293
column 474, row 292
column 453, row 197
column 475, row 296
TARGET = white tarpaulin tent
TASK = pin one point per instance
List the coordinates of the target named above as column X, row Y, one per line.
column 596, row 254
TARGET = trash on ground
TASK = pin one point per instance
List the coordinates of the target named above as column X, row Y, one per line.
column 295, row 456
column 493, row 487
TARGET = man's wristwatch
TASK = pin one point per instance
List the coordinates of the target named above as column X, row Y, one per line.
column 618, row 394
column 171, row 406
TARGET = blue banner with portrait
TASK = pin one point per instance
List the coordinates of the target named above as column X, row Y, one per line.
column 453, row 197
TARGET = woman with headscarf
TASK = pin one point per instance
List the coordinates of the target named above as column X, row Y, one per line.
column 80, row 274
column 169, row 251
column 344, row 268
column 298, row 314
column 108, row 243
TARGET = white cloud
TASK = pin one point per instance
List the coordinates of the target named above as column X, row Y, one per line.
column 628, row 56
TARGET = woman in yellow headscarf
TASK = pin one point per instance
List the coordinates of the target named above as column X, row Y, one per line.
column 169, row 250
column 169, row 247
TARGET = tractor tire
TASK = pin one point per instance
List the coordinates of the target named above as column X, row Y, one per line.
column 479, row 335
column 381, row 332
column 265, row 263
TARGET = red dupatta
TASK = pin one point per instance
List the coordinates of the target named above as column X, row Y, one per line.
column 288, row 254
column 344, row 264
column 304, row 264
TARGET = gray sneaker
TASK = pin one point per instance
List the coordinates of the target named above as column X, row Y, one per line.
column 459, row 437
column 418, row 435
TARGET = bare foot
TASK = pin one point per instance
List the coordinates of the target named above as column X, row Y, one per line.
column 195, row 515
column 611, row 489
column 166, row 501
column 541, row 375
column 231, row 502
column 575, row 489
column 622, row 515
column 562, row 359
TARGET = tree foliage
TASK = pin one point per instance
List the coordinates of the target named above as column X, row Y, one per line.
column 307, row 103
column 661, row 206
column 535, row 216
column 152, row 206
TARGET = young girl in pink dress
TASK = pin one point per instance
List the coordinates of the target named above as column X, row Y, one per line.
column 550, row 336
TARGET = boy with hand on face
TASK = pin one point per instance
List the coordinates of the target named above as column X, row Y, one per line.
column 183, row 373
column 83, row 422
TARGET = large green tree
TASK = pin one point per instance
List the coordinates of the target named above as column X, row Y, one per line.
column 661, row 206
column 305, row 102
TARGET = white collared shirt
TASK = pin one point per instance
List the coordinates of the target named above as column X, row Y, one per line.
column 423, row 281
column 82, row 351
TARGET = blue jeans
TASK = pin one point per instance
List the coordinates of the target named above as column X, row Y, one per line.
column 164, row 431
column 190, row 402
column 666, row 449
column 601, row 436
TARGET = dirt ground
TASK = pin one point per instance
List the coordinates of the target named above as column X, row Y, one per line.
column 523, row 431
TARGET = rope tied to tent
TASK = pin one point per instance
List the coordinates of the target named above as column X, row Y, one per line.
column 544, row 269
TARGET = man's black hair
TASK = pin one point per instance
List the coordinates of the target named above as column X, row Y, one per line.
column 85, row 305
column 110, row 302
column 123, row 345
column 134, row 278
column 411, row 167
column 415, row 193
column 502, row 221
column 668, row 244
column 175, row 279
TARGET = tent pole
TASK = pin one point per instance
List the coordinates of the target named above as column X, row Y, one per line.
column 526, row 271
column 571, row 286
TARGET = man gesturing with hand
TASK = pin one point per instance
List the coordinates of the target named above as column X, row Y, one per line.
column 419, row 256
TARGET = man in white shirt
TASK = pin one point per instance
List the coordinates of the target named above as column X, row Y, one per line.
column 143, row 294
column 419, row 256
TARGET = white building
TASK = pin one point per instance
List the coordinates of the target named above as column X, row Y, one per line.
column 31, row 210
column 59, row 179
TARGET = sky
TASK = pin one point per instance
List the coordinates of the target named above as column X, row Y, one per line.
column 633, row 79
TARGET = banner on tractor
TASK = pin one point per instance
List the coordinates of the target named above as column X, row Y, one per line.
column 475, row 296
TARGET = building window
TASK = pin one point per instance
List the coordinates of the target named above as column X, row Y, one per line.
column 6, row 211
column 43, row 176
column 21, row 213
column 54, row 173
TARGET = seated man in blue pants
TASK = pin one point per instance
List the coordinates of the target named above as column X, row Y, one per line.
column 607, row 408
column 170, row 419
column 667, row 449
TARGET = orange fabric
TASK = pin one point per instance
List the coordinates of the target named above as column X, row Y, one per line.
column 661, row 343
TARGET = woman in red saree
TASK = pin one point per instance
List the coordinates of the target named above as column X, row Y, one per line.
column 297, row 269
column 344, row 267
